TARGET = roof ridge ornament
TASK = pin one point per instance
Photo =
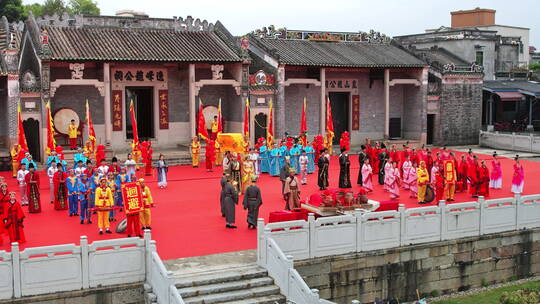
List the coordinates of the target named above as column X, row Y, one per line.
column 372, row 36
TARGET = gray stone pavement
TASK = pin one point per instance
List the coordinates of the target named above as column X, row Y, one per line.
column 212, row 263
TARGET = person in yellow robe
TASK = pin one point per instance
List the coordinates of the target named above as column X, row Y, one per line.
column 214, row 128
column 248, row 172
column 219, row 154
column 146, row 214
column 136, row 153
column 15, row 158
column 72, row 135
column 422, row 181
column 104, row 203
column 328, row 144
column 195, row 151
column 88, row 151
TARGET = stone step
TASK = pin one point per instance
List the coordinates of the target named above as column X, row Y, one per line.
column 273, row 299
column 234, row 296
column 220, row 276
column 224, row 287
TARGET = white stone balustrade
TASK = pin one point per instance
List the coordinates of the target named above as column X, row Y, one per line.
column 388, row 229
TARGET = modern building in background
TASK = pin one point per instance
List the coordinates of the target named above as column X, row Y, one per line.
column 475, row 37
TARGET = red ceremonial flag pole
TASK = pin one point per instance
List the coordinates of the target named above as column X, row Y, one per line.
column 329, row 122
column 51, row 142
column 303, row 125
column 91, row 132
column 134, row 124
column 220, row 123
column 20, row 130
column 202, row 123
column 270, row 126
column 246, row 119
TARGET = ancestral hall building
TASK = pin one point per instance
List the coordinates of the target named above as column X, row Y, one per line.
column 377, row 89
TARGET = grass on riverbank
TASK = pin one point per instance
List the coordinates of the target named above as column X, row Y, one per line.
column 488, row 296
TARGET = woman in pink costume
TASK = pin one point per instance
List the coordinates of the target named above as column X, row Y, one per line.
column 519, row 177
column 495, row 181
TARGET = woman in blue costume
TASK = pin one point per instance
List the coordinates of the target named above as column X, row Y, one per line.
column 310, row 152
column 265, row 163
column 295, row 155
column 284, row 153
column 275, row 155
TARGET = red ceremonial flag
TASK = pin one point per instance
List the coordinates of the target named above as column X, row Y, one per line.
column 134, row 124
column 91, row 132
column 246, row 119
column 20, row 130
column 329, row 120
column 203, row 133
column 51, row 142
column 270, row 126
column 220, row 123
column 303, row 124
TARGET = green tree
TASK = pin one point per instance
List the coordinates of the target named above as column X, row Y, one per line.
column 12, row 9
column 86, row 7
column 36, row 9
column 50, row 7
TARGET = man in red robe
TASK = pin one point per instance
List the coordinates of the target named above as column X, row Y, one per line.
column 473, row 177
column 4, row 200
column 439, row 186
column 148, row 159
column 60, row 189
column 462, row 174
column 210, row 154
column 429, row 162
column 13, row 221
column 483, row 180
column 32, row 190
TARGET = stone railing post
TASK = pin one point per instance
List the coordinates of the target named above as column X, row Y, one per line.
column 311, row 222
column 359, row 229
column 481, row 202
column 442, row 208
column 402, row 219
column 16, row 266
column 84, row 261
column 517, row 200
column 148, row 252
column 261, row 243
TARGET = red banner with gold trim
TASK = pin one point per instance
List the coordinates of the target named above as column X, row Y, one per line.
column 117, row 110
column 449, row 171
column 356, row 112
column 132, row 197
column 163, row 109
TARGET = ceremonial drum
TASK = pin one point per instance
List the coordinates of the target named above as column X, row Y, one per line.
column 209, row 112
column 62, row 119
column 430, row 194
column 121, row 228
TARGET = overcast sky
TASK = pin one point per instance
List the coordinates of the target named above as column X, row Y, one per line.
column 392, row 17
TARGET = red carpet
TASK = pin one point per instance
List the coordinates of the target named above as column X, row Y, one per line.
column 187, row 220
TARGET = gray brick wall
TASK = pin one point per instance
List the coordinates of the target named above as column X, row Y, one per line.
column 414, row 116
column 231, row 104
column 460, row 113
column 294, row 99
column 445, row 267
column 178, row 94
column 75, row 97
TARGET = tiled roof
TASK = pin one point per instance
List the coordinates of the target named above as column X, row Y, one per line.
column 441, row 56
column 523, row 86
column 340, row 54
column 117, row 44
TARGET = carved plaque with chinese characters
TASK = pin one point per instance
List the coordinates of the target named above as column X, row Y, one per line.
column 134, row 75
column 117, row 110
column 163, row 98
